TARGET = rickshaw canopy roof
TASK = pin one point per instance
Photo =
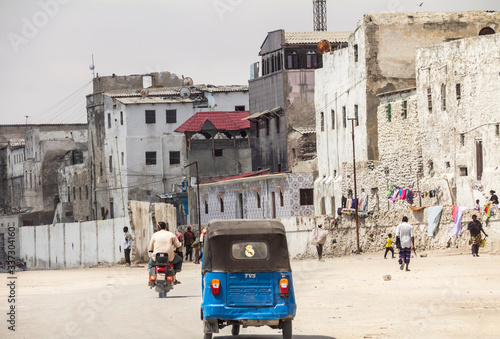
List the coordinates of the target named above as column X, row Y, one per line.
column 223, row 235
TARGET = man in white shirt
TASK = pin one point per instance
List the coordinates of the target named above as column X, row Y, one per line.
column 404, row 232
column 127, row 245
column 164, row 241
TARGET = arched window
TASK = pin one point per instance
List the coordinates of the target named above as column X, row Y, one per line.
column 486, row 31
column 292, row 60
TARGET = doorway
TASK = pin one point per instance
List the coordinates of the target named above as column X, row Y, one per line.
column 479, row 159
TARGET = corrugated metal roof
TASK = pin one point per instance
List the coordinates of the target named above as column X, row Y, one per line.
column 258, row 114
column 156, row 100
column 292, row 38
column 305, row 129
column 224, row 121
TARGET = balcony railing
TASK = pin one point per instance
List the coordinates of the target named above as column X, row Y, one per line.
column 199, row 145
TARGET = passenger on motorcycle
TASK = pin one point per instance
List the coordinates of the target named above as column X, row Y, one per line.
column 164, row 241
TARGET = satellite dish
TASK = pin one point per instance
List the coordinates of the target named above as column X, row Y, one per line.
column 187, row 82
column 144, row 92
column 185, row 92
column 91, row 67
column 324, row 47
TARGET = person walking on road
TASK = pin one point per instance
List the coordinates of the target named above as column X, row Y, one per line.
column 127, row 245
column 319, row 239
column 388, row 246
column 475, row 228
column 189, row 239
column 404, row 232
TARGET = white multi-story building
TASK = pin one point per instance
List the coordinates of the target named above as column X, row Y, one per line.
column 144, row 156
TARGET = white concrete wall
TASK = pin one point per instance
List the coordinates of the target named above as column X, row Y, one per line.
column 42, row 246
column 56, row 246
column 72, row 244
column 226, row 101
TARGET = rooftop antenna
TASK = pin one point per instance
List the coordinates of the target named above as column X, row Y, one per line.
column 319, row 15
column 92, row 67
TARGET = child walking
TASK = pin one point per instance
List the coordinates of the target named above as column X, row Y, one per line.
column 388, row 246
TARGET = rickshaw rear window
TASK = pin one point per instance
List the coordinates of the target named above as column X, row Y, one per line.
column 249, row 250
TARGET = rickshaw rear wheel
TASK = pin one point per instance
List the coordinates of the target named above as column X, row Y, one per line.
column 235, row 330
column 287, row 329
column 207, row 336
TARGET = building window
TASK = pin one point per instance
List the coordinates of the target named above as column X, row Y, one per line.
column 497, row 130
column 429, row 99
column 292, row 60
column 74, row 194
column 109, row 120
column 277, row 124
column 355, row 53
column 279, row 61
column 281, row 198
column 150, row 158
column 447, row 164
column 110, row 163
column 404, row 115
column 306, row 196
column 389, row 114
column 121, row 117
column 272, row 63
column 206, row 206
column 344, row 116
column 257, row 196
column 239, row 108
column 100, row 168
column 356, row 114
column 150, row 116
column 463, row 172
column 312, row 59
column 333, row 119
column 443, row 97
column 218, row 152
column 171, row 116
column 175, row 158
column 68, row 191
column 123, row 158
column 322, row 122
column 87, row 192
column 279, row 167
column 294, row 154
column 267, row 127
column 221, row 202
column 459, row 91
column 462, row 139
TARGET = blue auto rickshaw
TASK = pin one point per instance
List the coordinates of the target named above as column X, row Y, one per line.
column 246, row 277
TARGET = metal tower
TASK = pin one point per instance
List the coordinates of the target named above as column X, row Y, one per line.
column 319, row 15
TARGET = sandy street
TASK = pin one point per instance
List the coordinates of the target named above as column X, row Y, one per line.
column 448, row 294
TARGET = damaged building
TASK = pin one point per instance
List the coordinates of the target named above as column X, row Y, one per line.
column 381, row 82
column 134, row 150
column 282, row 98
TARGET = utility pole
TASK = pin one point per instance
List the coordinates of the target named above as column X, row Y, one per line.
column 355, row 187
column 319, row 15
column 197, row 193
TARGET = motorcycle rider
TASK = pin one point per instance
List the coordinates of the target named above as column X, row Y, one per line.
column 164, row 241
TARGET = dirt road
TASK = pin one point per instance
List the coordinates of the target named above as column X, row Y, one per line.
column 448, row 294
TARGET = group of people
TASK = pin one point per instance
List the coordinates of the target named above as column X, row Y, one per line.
column 164, row 241
column 405, row 240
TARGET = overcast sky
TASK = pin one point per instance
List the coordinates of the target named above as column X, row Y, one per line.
column 46, row 46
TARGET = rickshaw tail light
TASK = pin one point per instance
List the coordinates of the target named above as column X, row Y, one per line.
column 215, row 286
column 284, row 286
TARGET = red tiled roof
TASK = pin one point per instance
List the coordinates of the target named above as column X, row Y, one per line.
column 253, row 174
column 227, row 121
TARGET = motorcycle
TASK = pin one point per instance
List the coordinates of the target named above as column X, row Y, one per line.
column 162, row 276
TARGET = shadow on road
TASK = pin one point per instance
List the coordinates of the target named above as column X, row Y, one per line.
column 183, row 296
column 276, row 336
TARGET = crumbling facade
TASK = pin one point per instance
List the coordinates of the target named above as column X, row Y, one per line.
column 282, row 97
column 354, row 91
